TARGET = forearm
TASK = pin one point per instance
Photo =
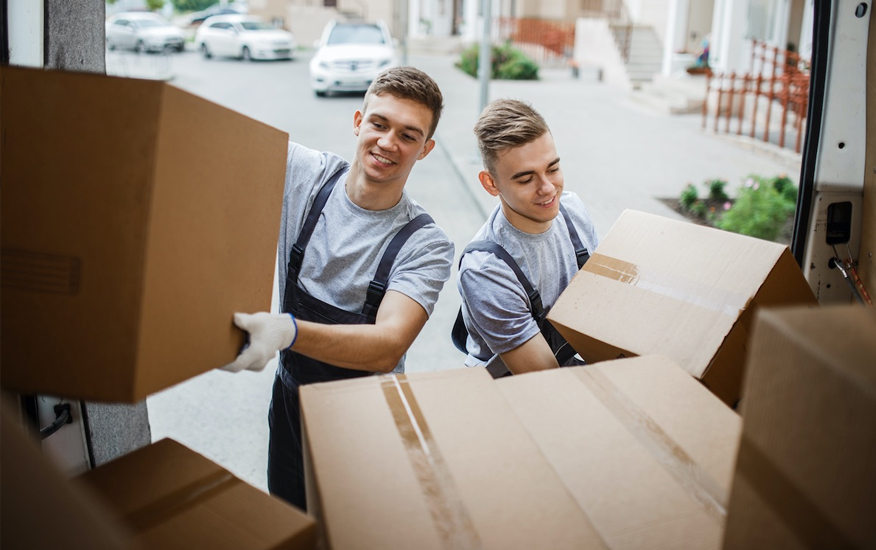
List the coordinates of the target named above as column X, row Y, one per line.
column 358, row 347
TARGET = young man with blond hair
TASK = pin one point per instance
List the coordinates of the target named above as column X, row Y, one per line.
column 526, row 253
column 360, row 263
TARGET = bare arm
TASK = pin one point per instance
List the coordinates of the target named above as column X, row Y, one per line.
column 532, row 356
column 375, row 348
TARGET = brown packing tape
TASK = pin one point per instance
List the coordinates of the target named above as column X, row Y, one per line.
column 690, row 475
column 723, row 301
column 811, row 526
column 181, row 500
column 448, row 512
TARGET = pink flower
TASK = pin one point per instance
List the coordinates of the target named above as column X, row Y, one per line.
column 727, row 205
column 755, row 186
column 749, row 182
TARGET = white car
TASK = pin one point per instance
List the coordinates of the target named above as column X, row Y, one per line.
column 144, row 32
column 350, row 56
column 244, row 37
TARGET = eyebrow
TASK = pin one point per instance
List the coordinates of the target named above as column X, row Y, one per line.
column 411, row 128
column 528, row 172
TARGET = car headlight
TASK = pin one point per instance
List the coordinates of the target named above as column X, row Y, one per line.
column 384, row 63
column 324, row 65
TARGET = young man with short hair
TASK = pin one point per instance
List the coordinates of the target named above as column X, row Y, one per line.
column 528, row 250
column 360, row 263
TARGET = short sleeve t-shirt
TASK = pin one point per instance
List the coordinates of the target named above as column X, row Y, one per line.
column 348, row 241
column 495, row 308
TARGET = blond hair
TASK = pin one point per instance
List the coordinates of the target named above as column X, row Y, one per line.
column 409, row 83
column 505, row 124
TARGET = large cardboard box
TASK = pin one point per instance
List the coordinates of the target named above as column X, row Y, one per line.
column 173, row 498
column 645, row 450
column 433, row 460
column 136, row 219
column 41, row 508
column 806, row 472
column 665, row 287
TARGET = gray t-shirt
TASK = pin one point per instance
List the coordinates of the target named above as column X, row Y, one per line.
column 494, row 306
column 348, row 241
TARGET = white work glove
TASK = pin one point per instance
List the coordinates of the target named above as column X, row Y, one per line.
column 268, row 334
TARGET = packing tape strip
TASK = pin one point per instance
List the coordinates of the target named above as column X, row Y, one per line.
column 180, row 500
column 726, row 302
column 448, row 512
column 811, row 526
column 690, row 475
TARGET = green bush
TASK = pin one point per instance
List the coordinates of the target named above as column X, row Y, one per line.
column 192, row 5
column 716, row 189
column 506, row 62
column 689, row 196
column 762, row 208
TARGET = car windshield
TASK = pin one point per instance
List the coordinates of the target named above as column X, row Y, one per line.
column 356, row 34
column 255, row 26
column 146, row 23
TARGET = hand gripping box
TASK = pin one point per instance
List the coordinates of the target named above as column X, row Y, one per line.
column 806, row 472
column 645, row 450
column 172, row 498
column 136, row 219
column 434, row 460
column 666, row 287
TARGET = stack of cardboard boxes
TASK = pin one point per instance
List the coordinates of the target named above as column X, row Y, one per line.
column 136, row 219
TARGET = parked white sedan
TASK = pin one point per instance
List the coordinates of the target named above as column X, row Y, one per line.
column 244, row 37
column 144, row 32
column 350, row 56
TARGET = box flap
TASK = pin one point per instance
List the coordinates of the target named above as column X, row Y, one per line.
column 172, row 497
column 446, row 448
column 646, row 451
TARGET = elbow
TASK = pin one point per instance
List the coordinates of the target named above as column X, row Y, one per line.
column 388, row 360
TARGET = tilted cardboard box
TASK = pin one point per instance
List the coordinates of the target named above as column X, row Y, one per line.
column 660, row 286
column 806, row 472
column 431, row 461
column 136, row 219
column 171, row 497
column 645, row 450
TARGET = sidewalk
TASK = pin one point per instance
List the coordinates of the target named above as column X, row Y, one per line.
column 616, row 154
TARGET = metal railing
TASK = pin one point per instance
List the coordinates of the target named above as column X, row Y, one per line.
column 778, row 81
column 619, row 21
column 544, row 41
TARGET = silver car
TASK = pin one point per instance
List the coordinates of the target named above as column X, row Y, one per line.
column 143, row 32
column 350, row 56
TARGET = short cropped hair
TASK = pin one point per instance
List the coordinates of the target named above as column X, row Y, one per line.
column 505, row 124
column 409, row 83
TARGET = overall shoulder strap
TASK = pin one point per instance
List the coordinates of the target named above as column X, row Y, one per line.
column 377, row 287
column 459, row 333
column 296, row 256
column 581, row 252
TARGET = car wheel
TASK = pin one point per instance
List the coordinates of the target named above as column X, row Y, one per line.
column 206, row 51
column 141, row 47
column 320, row 93
column 245, row 55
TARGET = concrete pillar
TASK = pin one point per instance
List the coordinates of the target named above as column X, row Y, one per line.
column 676, row 33
column 805, row 48
column 729, row 50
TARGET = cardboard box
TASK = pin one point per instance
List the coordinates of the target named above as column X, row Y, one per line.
column 665, row 287
column 173, row 498
column 645, row 450
column 41, row 508
column 136, row 219
column 432, row 460
column 805, row 477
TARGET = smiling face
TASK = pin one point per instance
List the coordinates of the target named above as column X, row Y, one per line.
column 528, row 181
column 392, row 136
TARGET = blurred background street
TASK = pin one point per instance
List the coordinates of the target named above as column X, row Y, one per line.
column 616, row 153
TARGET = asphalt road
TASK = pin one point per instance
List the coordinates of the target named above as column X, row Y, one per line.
column 222, row 415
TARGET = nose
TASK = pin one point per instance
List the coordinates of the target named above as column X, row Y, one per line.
column 546, row 186
column 387, row 141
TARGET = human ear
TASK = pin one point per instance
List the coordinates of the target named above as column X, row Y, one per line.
column 427, row 148
column 488, row 183
column 357, row 121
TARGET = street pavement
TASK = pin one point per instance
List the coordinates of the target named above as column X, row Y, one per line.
column 614, row 153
